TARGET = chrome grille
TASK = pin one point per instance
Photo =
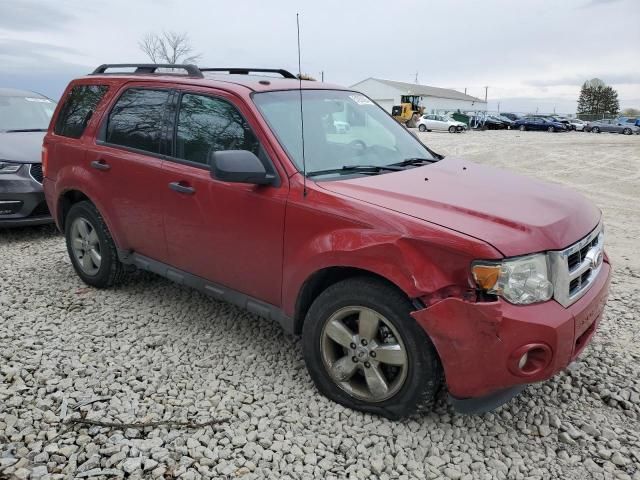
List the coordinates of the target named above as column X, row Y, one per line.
column 575, row 268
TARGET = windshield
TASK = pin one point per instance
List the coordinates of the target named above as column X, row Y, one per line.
column 341, row 129
column 25, row 113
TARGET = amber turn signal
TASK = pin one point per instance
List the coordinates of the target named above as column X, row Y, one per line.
column 486, row 276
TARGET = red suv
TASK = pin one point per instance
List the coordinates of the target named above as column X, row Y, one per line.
column 400, row 268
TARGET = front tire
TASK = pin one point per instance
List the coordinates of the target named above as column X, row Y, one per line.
column 422, row 128
column 364, row 350
column 551, row 129
column 91, row 249
column 523, row 128
column 627, row 131
column 452, row 129
column 595, row 130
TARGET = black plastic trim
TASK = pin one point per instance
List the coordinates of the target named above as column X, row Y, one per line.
column 247, row 71
column 218, row 292
column 472, row 406
column 147, row 68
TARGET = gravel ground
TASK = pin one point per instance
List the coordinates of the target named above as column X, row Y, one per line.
column 152, row 351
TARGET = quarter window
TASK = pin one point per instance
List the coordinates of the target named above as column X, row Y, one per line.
column 207, row 125
column 76, row 112
column 136, row 119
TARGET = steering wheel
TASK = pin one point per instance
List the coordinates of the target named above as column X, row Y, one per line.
column 358, row 145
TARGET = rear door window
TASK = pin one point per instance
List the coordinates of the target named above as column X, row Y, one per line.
column 77, row 110
column 137, row 119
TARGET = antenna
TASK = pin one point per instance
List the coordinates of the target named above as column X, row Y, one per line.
column 304, row 163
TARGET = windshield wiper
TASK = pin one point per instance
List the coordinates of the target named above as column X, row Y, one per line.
column 20, row 130
column 414, row 161
column 356, row 168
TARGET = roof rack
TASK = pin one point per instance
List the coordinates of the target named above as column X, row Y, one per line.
column 192, row 70
column 246, row 71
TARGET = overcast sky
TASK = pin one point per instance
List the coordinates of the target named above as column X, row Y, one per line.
column 531, row 53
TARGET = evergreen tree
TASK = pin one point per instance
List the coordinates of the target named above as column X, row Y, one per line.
column 596, row 98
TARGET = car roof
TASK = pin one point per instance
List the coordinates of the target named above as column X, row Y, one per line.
column 233, row 82
column 14, row 92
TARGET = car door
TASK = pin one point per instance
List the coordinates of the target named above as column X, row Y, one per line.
column 227, row 233
column 441, row 123
column 431, row 123
column 126, row 161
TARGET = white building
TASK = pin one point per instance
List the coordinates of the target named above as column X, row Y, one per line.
column 388, row 93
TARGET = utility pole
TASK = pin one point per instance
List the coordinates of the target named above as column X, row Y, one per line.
column 498, row 107
column 322, row 76
column 486, row 89
column 465, row 90
column 416, row 78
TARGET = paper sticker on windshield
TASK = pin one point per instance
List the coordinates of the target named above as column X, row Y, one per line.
column 39, row 100
column 361, row 99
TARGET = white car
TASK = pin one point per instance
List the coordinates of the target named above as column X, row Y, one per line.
column 438, row 122
column 578, row 125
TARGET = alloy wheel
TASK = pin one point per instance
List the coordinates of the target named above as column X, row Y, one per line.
column 364, row 354
column 85, row 245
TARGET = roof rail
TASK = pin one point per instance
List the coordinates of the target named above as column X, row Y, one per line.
column 246, row 71
column 192, row 70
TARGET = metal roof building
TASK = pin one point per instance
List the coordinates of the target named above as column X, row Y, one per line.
column 388, row 93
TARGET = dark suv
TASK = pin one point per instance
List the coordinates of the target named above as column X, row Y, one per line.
column 24, row 118
column 400, row 268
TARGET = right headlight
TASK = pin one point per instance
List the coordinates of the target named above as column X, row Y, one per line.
column 522, row 280
column 8, row 167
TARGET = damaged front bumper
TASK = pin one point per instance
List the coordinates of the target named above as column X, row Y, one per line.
column 482, row 344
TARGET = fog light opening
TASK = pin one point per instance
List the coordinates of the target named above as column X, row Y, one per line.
column 530, row 359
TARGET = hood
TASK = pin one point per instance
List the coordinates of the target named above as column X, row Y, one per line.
column 517, row 215
column 21, row 147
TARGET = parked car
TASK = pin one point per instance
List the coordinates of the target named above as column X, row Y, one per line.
column 486, row 122
column 394, row 263
column 428, row 123
column 508, row 123
column 577, row 124
column 511, row 116
column 24, row 118
column 629, row 121
column 611, row 126
column 539, row 123
column 564, row 120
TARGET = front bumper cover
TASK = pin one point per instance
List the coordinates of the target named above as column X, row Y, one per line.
column 27, row 205
column 476, row 340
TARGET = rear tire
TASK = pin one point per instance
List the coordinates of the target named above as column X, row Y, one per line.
column 343, row 370
column 523, row 128
column 551, row 129
column 595, row 130
column 422, row 128
column 627, row 131
column 452, row 129
column 91, row 248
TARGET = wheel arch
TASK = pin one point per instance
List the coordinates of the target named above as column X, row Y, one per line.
column 322, row 279
column 70, row 197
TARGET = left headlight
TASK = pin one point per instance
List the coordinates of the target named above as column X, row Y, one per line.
column 521, row 281
column 8, row 167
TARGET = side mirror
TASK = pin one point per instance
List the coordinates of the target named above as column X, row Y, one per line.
column 239, row 166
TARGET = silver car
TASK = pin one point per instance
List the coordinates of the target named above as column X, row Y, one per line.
column 613, row 126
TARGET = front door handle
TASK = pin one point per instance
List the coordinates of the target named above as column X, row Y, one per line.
column 100, row 165
column 182, row 188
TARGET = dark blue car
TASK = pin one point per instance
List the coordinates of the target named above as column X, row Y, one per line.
column 539, row 123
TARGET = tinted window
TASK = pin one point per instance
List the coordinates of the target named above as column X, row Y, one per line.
column 206, row 125
column 136, row 119
column 76, row 112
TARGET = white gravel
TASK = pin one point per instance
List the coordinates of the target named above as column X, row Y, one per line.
column 150, row 351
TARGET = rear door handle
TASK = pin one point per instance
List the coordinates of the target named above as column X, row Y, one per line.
column 100, row 165
column 181, row 188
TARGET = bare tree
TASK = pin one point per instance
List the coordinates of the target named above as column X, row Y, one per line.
column 168, row 47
